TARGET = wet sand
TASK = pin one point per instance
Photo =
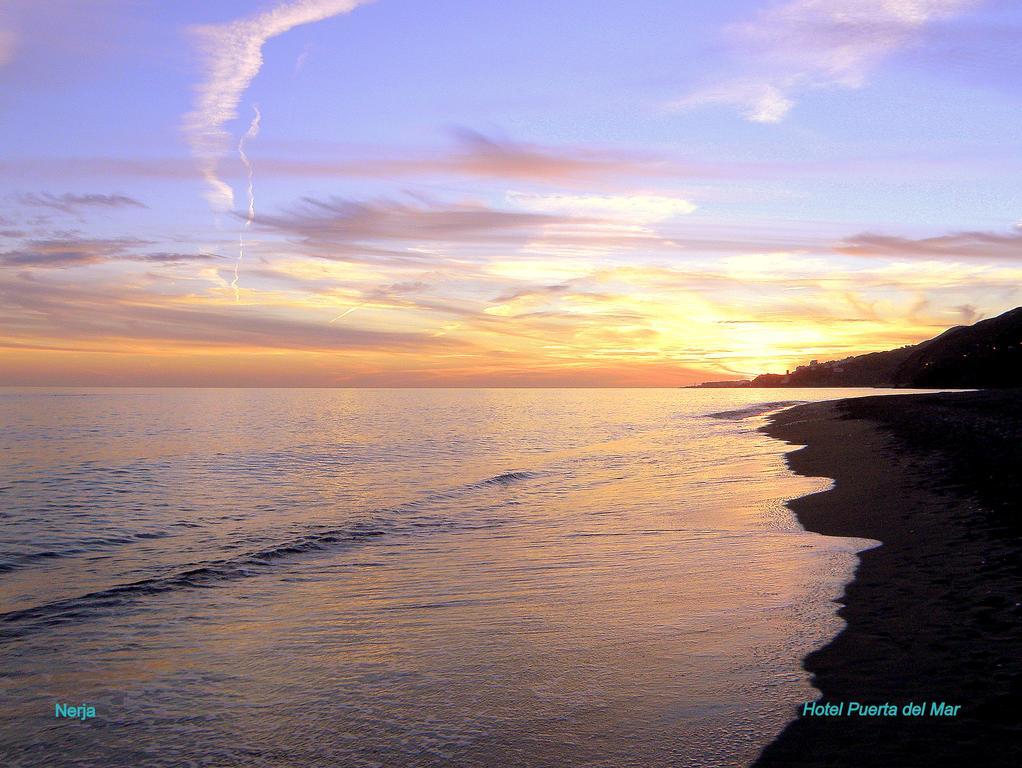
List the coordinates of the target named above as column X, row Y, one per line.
column 934, row 613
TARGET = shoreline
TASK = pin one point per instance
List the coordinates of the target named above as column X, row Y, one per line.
column 934, row 613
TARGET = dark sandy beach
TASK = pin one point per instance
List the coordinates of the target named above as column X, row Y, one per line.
column 935, row 613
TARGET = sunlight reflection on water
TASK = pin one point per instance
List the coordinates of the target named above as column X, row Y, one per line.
column 404, row 577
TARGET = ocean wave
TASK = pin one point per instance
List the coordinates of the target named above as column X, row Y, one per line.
column 507, row 478
column 209, row 574
column 758, row 409
column 202, row 575
column 13, row 561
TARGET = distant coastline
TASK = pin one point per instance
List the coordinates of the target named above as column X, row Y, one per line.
column 985, row 355
column 933, row 612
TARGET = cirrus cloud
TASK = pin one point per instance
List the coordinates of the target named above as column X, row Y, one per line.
column 806, row 45
column 637, row 209
column 65, row 252
column 994, row 246
column 70, row 202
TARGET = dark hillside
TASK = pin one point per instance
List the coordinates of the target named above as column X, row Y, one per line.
column 985, row 355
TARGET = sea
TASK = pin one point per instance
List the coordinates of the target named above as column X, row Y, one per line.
column 399, row 577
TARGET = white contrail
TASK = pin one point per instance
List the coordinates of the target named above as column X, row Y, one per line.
column 347, row 312
column 237, row 266
column 233, row 56
column 251, row 133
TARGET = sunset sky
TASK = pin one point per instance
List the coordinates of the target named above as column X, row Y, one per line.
column 454, row 193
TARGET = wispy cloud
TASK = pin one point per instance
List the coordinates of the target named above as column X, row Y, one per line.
column 635, row 208
column 806, row 45
column 68, row 252
column 470, row 155
column 232, row 54
column 429, row 231
column 61, row 253
column 76, row 313
column 479, row 155
column 338, row 222
column 565, row 167
column 73, row 203
column 993, row 246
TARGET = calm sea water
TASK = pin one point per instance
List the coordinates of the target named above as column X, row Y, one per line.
column 403, row 577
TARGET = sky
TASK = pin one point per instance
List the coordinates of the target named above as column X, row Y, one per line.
column 455, row 193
